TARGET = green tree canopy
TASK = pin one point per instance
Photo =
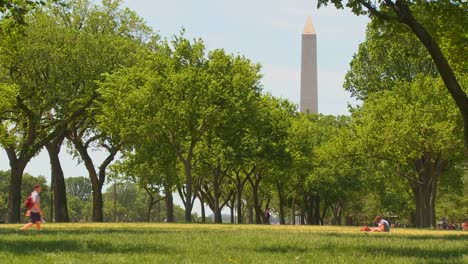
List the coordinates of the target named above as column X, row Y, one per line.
column 418, row 132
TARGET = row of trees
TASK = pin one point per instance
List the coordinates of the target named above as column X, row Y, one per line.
column 126, row 202
column 123, row 201
column 196, row 122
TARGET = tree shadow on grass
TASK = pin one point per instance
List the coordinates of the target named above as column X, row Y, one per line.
column 87, row 231
column 384, row 247
column 435, row 237
column 281, row 249
column 430, row 254
column 454, row 237
column 417, row 252
column 25, row 247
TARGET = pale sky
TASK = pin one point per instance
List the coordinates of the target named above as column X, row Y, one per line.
column 267, row 32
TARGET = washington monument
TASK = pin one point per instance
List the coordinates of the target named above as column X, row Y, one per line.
column 309, row 101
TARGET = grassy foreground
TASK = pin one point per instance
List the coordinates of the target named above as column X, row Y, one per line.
column 191, row 243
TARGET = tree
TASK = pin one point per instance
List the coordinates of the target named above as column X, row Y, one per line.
column 173, row 81
column 152, row 168
column 18, row 9
column 452, row 201
column 79, row 190
column 418, row 134
column 79, row 187
column 234, row 84
column 390, row 53
column 34, row 81
column 316, row 171
column 267, row 143
column 131, row 204
column 27, row 184
column 111, row 36
column 407, row 12
column 178, row 94
column 338, row 174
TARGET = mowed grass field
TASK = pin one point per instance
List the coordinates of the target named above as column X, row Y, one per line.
column 198, row 243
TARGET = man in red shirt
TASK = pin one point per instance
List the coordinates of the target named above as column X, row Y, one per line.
column 36, row 211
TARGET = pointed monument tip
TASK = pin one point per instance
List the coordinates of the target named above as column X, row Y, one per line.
column 309, row 27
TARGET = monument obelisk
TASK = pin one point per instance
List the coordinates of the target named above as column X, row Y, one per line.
column 309, row 100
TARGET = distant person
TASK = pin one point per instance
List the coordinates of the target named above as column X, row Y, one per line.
column 35, row 212
column 452, row 226
column 382, row 225
column 465, row 225
column 267, row 216
column 444, row 223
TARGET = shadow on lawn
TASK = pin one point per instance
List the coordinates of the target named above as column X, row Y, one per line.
column 28, row 244
column 417, row 252
column 437, row 254
column 382, row 247
column 460, row 237
column 90, row 231
column 281, row 249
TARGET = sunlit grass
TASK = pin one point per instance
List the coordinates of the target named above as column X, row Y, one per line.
column 192, row 243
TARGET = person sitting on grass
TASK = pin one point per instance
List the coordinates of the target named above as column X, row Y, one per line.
column 36, row 211
column 382, row 225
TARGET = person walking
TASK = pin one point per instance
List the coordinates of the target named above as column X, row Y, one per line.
column 36, row 211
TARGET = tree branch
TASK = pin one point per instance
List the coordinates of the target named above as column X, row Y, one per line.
column 373, row 11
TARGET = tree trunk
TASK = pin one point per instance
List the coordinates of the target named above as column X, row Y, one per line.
column 158, row 212
column 307, row 204
column 97, row 188
column 256, row 201
column 324, row 213
column 14, row 196
column 150, row 207
column 316, row 209
column 58, row 180
column 218, row 216
column 251, row 214
column 337, row 212
column 97, row 204
column 281, row 204
column 88, row 162
column 169, row 205
column 115, row 201
column 97, row 178
column 293, row 212
column 202, row 206
column 425, row 189
column 51, row 197
column 216, row 195
column 188, row 189
column 232, row 214
column 256, row 205
column 310, row 209
column 239, row 187
column 239, row 202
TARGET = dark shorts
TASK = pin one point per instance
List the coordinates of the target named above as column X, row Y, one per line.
column 35, row 217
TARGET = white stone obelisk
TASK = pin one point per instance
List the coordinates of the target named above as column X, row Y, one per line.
column 309, row 100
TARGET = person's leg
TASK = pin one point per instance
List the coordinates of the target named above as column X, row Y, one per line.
column 35, row 220
column 26, row 226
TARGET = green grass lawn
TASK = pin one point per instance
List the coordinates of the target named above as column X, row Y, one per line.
column 192, row 243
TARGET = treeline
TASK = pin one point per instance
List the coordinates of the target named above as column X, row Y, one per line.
column 123, row 201
column 196, row 122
